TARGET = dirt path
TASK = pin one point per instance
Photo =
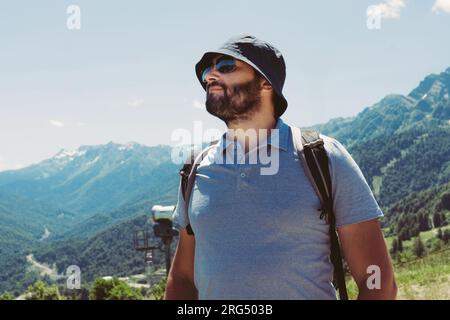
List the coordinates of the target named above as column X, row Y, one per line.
column 42, row 268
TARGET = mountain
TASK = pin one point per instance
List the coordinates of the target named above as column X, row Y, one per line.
column 427, row 106
column 77, row 194
column 108, row 252
column 24, row 222
column 406, row 216
column 95, row 179
column 387, row 162
column 101, row 221
column 402, row 145
column 104, row 193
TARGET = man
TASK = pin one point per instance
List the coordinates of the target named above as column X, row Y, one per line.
column 260, row 236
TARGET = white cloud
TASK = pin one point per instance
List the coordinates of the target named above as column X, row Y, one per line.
column 198, row 105
column 57, row 123
column 441, row 5
column 81, row 124
column 387, row 9
column 135, row 102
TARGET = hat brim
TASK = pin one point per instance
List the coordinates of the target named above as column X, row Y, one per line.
column 281, row 104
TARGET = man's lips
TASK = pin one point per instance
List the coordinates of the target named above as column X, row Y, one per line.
column 214, row 88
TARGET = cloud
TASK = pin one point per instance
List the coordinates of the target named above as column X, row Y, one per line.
column 387, row 9
column 198, row 105
column 57, row 123
column 441, row 5
column 135, row 102
column 81, row 124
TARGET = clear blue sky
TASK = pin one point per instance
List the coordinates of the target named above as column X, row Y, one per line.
column 127, row 74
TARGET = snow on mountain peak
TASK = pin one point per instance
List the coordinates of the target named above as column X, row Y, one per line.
column 69, row 154
column 127, row 146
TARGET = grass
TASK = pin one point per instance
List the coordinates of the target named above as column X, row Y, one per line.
column 426, row 236
column 427, row 278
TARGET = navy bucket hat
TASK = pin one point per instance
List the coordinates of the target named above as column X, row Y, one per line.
column 262, row 56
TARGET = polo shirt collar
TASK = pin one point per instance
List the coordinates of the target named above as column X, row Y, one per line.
column 278, row 138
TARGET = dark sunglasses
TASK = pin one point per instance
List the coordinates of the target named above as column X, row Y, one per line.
column 223, row 65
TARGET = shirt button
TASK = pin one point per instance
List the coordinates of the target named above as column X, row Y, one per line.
column 242, row 175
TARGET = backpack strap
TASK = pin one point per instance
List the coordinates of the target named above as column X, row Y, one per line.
column 188, row 173
column 311, row 151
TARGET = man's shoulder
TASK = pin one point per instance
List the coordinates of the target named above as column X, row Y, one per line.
column 337, row 153
column 331, row 144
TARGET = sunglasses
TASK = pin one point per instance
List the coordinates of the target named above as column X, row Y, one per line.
column 223, row 65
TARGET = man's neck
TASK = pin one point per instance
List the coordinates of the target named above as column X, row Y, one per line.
column 257, row 122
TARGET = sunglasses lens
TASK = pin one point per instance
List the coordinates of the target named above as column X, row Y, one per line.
column 223, row 66
column 205, row 72
column 226, row 66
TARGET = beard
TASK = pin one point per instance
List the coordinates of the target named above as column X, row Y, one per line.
column 235, row 103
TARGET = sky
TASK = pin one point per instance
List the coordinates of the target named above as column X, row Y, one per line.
column 127, row 73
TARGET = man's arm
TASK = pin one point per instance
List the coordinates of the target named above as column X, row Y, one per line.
column 363, row 245
column 180, row 281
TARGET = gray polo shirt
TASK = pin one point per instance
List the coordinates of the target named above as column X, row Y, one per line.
column 260, row 236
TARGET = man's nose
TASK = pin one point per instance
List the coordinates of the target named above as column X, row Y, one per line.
column 212, row 75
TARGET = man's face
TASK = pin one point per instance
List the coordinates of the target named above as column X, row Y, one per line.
column 233, row 95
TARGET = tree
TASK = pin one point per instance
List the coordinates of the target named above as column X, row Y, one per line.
column 446, row 236
column 122, row 291
column 437, row 222
column 41, row 291
column 158, row 289
column 418, row 247
column 113, row 289
column 439, row 234
column 424, row 223
column 443, row 219
column 445, row 201
column 6, row 296
column 404, row 234
column 394, row 248
column 400, row 245
column 414, row 231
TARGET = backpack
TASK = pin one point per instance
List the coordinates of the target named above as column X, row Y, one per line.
column 311, row 151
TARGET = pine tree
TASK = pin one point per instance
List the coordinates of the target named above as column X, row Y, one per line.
column 437, row 220
column 446, row 236
column 418, row 247
column 443, row 219
column 439, row 234
column 424, row 224
column 394, row 248
column 400, row 245
column 445, row 201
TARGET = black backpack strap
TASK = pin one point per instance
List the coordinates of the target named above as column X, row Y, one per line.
column 312, row 153
column 188, row 173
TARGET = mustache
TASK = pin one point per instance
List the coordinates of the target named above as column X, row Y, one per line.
column 215, row 83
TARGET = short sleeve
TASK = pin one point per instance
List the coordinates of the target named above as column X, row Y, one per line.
column 180, row 217
column 353, row 200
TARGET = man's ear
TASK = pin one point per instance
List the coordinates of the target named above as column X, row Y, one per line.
column 265, row 85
